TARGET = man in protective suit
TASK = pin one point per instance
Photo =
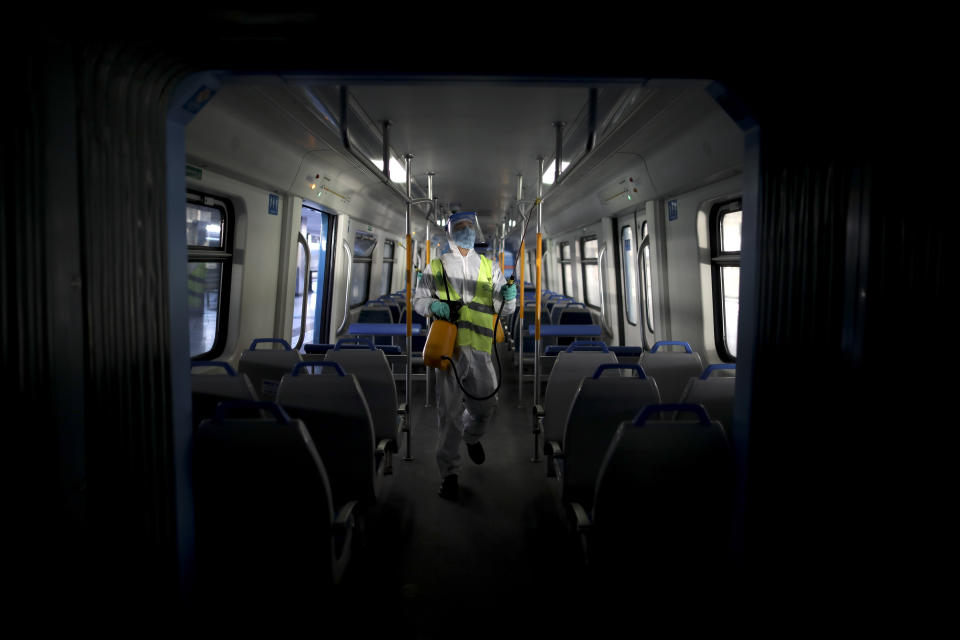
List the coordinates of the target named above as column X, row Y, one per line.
column 468, row 289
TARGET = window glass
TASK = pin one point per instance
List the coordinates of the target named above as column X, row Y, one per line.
column 589, row 248
column 726, row 233
column 386, row 279
column 730, row 224
column 359, row 281
column 566, row 266
column 203, row 304
column 591, row 284
column 568, row 279
column 208, row 225
column 647, row 287
column 629, row 273
column 731, row 307
column 363, row 246
column 204, row 226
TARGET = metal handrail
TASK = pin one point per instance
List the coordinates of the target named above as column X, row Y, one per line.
column 306, row 287
column 603, row 305
column 346, row 294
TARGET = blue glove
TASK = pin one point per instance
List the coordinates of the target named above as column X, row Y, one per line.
column 440, row 309
column 509, row 292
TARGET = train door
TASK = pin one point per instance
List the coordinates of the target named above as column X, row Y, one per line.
column 312, row 287
column 636, row 274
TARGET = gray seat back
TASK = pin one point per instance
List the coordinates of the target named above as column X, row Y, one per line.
column 210, row 387
column 264, row 513
column 663, row 499
column 716, row 394
column 599, row 406
column 375, row 377
column 568, row 370
column 265, row 366
column 671, row 369
column 337, row 417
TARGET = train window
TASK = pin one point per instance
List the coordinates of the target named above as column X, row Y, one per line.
column 630, row 279
column 531, row 274
column 209, row 260
column 386, row 282
column 726, row 220
column 566, row 263
column 363, row 245
column 589, row 250
column 647, row 279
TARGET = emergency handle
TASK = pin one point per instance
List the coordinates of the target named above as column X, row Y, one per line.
column 651, row 409
column 213, row 363
column 317, row 363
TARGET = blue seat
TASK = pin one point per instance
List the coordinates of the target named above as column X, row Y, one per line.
column 266, row 366
column 267, row 536
column 211, row 388
column 671, row 369
column 338, row 419
column 663, row 503
column 602, row 401
column 714, row 389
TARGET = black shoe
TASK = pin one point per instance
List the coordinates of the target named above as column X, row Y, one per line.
column 450, row 489
column 476, row 452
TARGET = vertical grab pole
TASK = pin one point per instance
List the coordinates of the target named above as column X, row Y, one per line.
column 523, row 259
column 537, row 345
column 407, row 455
column 426, row 265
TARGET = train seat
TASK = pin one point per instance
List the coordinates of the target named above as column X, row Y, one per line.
column 671, row 369
column 627, row 354
column 265, row 367
column 600, row 404
column 267, row 534
column 576, row 362
column 570, row 314
column 210, row 389
column 663, row 502
column 338, row 419
column 377, row 382
column 378, row 313
column 714, row 392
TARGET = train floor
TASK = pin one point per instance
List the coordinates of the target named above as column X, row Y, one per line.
column 498, row 561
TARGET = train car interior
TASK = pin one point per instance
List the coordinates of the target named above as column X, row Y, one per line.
column 213, row 247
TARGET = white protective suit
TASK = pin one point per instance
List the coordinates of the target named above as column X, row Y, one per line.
column 460, row 417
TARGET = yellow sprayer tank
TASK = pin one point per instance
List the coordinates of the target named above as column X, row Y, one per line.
column 441, row 340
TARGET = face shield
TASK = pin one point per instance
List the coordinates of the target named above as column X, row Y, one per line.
column 463, row 229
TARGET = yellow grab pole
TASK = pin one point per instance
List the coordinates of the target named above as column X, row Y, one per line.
column 539, row 270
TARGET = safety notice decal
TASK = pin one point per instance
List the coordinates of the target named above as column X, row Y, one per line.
column 672, row 209
column 273, row 208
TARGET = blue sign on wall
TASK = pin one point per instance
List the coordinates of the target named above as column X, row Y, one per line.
column 672, row 209
column 274, row 207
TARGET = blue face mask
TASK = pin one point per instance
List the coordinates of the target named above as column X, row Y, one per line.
column 464, row 238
